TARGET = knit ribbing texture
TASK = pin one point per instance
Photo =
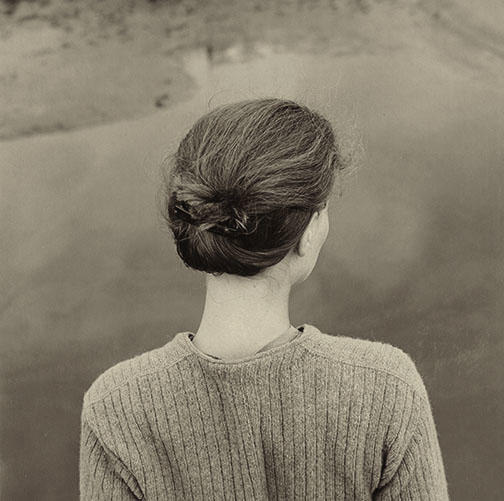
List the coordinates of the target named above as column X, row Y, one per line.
column 323, row 417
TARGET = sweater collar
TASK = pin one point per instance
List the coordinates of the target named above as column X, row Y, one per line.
column 305, row 331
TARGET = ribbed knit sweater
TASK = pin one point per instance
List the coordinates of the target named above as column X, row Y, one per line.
column 321, row 417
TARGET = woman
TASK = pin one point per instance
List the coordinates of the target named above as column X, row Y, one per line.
column 251, row 407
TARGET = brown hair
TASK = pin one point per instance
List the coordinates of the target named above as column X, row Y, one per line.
column 244, row 183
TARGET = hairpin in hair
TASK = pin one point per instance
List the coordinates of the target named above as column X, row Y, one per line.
column 183, row 213
column 218, row 228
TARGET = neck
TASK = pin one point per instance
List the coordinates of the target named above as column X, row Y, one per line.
column 242, row 315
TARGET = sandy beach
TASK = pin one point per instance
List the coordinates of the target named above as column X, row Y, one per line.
column 65, row 65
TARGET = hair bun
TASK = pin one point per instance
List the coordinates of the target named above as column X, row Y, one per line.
column 257, row 167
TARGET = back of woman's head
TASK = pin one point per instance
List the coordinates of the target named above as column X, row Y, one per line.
column 244, row 183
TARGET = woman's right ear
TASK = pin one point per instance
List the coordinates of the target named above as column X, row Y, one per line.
column 306, row 240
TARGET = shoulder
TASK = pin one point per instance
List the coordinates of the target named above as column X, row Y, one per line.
column 378, row 356
column 130, row 370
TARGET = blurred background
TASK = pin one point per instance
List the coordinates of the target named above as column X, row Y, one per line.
column 94, row 94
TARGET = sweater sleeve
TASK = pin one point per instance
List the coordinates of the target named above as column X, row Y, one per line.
column 102, row 475
column 414, row 468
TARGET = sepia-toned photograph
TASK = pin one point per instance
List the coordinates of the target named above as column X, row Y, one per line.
column 251, row 250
